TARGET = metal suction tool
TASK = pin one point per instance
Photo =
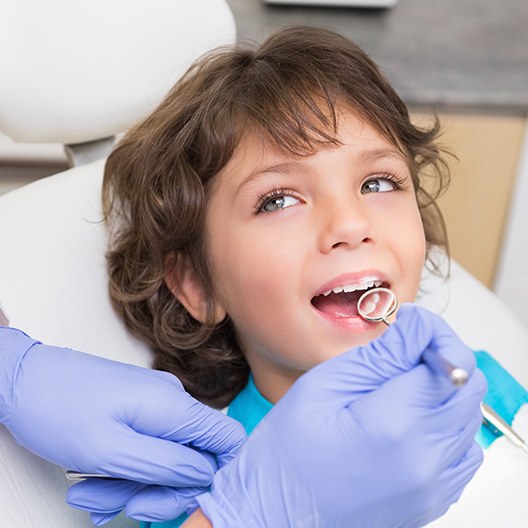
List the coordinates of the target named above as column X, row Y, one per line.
column 377, row 304
column 493, row 419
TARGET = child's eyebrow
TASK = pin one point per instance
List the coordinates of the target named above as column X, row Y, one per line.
column 281, row 167
column 366, row 156
column 380, row 154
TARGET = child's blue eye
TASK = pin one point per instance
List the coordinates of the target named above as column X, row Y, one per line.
column 378, row 185
column 277, row 202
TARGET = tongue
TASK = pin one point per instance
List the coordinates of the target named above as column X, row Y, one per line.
column 338, row 304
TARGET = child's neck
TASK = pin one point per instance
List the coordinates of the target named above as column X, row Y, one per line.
column 272, row 384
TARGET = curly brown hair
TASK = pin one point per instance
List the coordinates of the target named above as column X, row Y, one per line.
column 290, row 89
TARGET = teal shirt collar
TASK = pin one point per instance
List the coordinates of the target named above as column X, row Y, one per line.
column 505, row 395
column 249, row 406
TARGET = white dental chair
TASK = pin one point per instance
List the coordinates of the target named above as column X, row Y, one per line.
column 93, row 68
column 77, row 73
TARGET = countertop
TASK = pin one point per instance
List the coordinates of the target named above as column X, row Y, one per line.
column 440, row 54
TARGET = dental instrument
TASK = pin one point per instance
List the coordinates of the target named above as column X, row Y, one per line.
column 74, row 475
column 491, row 418
column 378, row 304
column 4, row 321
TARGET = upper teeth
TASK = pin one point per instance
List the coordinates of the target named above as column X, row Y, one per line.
column 347, row 288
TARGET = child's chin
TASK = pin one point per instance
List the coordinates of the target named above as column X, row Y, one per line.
column 366, row 337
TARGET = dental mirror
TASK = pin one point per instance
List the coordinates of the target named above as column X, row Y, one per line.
column 379, row 303
column 376, row 305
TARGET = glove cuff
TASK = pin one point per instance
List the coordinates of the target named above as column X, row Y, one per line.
column 224, row 514
column 14, row 345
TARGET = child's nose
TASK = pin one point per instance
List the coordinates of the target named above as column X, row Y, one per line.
column 344, row 224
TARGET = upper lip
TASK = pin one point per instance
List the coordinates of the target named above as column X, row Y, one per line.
column 347, row 282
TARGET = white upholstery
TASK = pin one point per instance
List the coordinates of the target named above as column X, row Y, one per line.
column 72, row 72
column 479, row 317
column 53, row 282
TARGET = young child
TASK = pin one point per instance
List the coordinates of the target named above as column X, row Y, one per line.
column 249, row 212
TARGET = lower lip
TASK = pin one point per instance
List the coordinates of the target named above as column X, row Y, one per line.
column 355, row 323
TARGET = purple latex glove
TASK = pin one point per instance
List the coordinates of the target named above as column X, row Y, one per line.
column 372, row 438
column 105, row 499
column 94, row 415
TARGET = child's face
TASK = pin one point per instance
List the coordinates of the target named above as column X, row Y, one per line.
column 282, row 231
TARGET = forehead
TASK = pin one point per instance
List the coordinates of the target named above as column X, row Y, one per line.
column 257, row 152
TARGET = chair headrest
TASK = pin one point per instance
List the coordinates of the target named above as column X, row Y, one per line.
column 73, row 72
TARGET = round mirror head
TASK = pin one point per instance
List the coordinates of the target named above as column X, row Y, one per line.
column 377, row 304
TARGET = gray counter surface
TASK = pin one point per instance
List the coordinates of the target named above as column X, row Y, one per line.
column 441, row 54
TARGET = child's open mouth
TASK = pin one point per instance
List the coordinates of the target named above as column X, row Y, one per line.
column 342, row 300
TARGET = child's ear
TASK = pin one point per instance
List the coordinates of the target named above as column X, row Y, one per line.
column 185, row 284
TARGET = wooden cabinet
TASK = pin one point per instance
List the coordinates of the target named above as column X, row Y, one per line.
column 476, row 204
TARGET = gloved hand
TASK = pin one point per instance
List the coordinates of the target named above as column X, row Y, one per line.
column 93, row 415
column 372, row 438
column 105, row 499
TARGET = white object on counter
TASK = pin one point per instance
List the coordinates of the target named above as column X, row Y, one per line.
column 510, row 282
